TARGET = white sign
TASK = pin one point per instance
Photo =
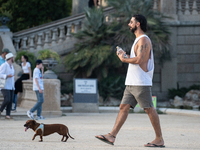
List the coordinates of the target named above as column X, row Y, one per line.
column 85, row 86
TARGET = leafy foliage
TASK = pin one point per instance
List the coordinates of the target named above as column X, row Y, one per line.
column 5, row 14
column 47, row 53
column 112, row 86
column 27, row 14
column 31, row 58
column 158, row 31
column 93, row 56
column 181, row 91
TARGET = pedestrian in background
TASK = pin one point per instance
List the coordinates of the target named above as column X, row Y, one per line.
column 7, row 72
column 26, row 67
column 38, row 87
column 5, row 51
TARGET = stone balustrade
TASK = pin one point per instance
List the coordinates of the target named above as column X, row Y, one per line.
column 188, row 10
column 52, row 35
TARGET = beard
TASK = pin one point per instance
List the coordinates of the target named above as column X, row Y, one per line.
column 133, row 29
column 12, row 60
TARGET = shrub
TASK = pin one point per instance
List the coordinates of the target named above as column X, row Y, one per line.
column 47, row 53
column 181, row 91
column 112, row 86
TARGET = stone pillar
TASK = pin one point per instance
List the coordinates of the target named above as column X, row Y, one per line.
column 46, row 42
column 69, row 27
column 169, row 70
column 78, row 6
column 17, row 44
column 51, row 105
column 62, row 36
column 24, row 46
column 39, row 42
column 168, row 7
column 32, row 46
column 54, row 37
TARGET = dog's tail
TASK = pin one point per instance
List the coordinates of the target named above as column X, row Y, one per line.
column 70, row 136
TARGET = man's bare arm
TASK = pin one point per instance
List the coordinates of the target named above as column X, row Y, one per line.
column 140, row 55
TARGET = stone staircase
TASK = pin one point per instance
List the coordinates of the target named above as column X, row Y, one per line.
column 55, row 35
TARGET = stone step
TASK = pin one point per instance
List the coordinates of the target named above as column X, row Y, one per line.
column 20, row 113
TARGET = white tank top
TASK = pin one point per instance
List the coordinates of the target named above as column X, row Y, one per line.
column 135, row 74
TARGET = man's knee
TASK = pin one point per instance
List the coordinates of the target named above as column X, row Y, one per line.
column 124, row 107
column 149, row 110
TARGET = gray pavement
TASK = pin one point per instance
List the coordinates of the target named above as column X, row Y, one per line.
column 180, row 132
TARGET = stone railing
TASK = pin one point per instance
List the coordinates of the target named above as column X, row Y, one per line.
column 180, row 10
column 55, row 35
column 188, row 10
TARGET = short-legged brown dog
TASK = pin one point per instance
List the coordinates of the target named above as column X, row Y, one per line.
column 47, row 129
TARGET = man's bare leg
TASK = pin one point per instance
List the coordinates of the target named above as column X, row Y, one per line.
column 121, row 118
column 153, row 116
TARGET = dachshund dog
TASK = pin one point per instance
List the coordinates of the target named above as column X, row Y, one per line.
column 47, row 129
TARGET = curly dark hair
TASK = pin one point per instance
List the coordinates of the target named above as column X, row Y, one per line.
column 142, row 20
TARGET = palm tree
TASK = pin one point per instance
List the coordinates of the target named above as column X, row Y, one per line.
column 93, row 56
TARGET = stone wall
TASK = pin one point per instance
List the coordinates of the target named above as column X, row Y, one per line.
column 184, row 68
column 188, row 55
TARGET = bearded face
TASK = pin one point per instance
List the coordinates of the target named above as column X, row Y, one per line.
column 133, row 29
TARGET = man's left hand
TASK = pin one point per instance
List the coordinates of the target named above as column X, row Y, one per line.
column 121, row 56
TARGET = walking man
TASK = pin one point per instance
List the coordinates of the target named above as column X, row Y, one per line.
column 38, row 87
column 138, row 83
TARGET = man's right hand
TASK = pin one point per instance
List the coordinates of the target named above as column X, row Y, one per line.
column 40, row 91
column 9, row 76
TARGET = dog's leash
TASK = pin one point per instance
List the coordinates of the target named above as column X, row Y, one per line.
column 40, row 127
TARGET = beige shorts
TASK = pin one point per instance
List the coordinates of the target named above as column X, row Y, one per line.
column 138, row 94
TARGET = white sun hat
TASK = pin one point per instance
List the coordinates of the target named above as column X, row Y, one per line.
column 9, row 55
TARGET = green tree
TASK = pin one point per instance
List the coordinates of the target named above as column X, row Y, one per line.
column 27, row 14
column 93, row 56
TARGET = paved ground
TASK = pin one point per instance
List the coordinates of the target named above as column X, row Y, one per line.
column 180, row 133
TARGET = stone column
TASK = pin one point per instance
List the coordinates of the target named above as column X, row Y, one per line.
column 51, row 105
column 46, row 41
column 62, row 36
column 24, row 46
column 187, row 8
column 194, row 8
column 68, row 31
column 54, row 37
column 169, row 69
column 32, row 46
column 155, row 5
column 17, row 44
column 168, row 7
column 76, row 27
column 39, row 43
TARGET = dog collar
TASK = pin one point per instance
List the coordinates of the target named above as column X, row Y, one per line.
column 40, row 127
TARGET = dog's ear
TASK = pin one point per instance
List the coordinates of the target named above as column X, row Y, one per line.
column 34, row 122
